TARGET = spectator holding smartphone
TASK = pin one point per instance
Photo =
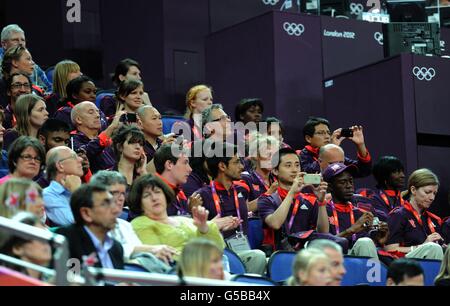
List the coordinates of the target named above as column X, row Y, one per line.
column 323, row 147
column 130, row 95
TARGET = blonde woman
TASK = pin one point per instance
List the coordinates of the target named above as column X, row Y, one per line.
column 65, row 71
column 311, row 268
column 20, row 194
column 201, row 258
column 31, row 114
column 443, row 278
column 414, row 231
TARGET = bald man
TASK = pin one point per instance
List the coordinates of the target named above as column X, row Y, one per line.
column 331, row 153
column 64, row 171
column 85, row 117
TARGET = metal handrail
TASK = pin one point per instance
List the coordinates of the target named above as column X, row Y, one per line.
column 94, row 275
column 58, row 242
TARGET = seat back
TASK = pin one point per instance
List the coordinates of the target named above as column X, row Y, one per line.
column 100, row 96
column 169, row 122
column 430, row 269
column 255, row 233
column 280, row 265
column 253, row 279
column 236, row 264
column 364, row 271
column 49, row 73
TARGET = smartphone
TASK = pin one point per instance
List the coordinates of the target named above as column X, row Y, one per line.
column 312, row 179
column 131, row 118
column 347, row 133
column 128, row 118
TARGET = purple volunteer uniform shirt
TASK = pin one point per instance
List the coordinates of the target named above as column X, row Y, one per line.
column 310, row 164
column 256, row 185
column 9, row 117
column 227, row 204
column 193, row 184
column 344, row 220
column 304, row 220
column 108, row 105
column 406, row 230
column 101, row 156
column 150, row 150
column 384, row 201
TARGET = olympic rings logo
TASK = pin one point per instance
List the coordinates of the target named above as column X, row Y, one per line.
column 423, row 73
column 292, row 29
column 270, row 2
column 378, row 37
column 356, row 8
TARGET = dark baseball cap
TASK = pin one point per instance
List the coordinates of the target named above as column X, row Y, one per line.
column 337, row 168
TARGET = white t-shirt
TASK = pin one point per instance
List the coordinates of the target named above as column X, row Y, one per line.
column 126, row 236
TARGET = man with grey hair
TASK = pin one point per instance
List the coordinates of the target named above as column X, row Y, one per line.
column 124, row 233
column 335, row 254
column 11, row 36
column 216, row 123
column 85, row 117
column 64, row 171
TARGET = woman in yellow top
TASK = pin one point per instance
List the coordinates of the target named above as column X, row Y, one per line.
column 148, row 199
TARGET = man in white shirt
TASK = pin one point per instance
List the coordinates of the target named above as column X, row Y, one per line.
column 123, row 232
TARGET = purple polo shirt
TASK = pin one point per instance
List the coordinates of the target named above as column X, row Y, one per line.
column 193, row 184
column 310, row 164
column 150, row 150
column 344, row 219
column 304, row 220
column 9, row 117
column 227, row 204
column 100, row 157
column 405, row 229
column 108, row 105
column 257, row 187
column 384, row 201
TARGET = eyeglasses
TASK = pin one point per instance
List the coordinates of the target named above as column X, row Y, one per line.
column 20, row 85
column 323, row 133
column 29, row 158
column 222, row 118
column 107, row 203
column 117, row 194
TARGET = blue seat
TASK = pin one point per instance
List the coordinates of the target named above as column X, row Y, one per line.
column 430, row 269
column 125, row 215
column 364, row 271
column 236, row 264
column 134, row 268
column 280, row 265
column 255, row 233
column 101, row 95
column 49, row 73
column 169, row 121
column 253, row 279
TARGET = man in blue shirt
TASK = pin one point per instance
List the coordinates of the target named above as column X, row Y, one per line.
column 64, row 170
column 12, row 35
